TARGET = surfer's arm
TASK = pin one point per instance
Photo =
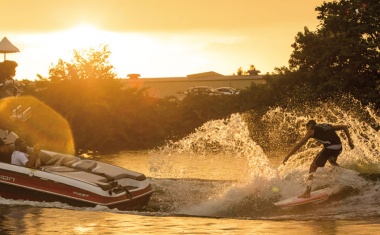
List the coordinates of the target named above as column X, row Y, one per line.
column 346, row 132
column 304, row 140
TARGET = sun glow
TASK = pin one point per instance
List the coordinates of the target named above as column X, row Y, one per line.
column 149, row 54
column 59, row 138
column 84, row 35
column 40, row 51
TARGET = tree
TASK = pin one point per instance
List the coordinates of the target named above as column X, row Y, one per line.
column 86, row 64
column 251, row 71
column 240, row 71
column 344, row 50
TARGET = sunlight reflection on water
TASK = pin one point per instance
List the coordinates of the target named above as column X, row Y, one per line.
column 24, row 220
column 213, row 166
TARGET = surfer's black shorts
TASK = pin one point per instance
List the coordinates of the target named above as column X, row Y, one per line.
column 327, row 153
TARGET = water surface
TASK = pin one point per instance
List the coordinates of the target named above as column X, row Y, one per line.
column 224, row 179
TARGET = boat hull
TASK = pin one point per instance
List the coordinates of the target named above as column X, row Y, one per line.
column 21, row 183
column 13, row 192
column 73, row 180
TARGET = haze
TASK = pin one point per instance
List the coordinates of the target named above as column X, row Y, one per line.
column 165, row 38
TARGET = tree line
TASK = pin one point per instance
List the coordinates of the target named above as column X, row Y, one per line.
column 342, row 56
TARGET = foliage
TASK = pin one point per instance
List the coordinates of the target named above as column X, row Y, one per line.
column 251, row 71
column 342, row 55
column 106, row 116
column 86, row 64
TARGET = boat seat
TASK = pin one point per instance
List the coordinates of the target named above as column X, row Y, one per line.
column 85, row 165
column 44, row 157
column 69, row 161
column 80, row 175
column 59, row 169
column 58, row 160
column 50, row 161
column 118, row 173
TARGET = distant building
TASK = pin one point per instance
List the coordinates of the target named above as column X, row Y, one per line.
column 133, row 76
column 176, row 86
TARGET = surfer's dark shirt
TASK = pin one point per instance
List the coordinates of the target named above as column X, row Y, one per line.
column 325, row 134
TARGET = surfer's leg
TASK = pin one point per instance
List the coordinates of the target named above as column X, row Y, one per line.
column 309, row 180
column 334, row 156
column 319, row 161
column 313, row 168
column 332, row 161
column 307, row 192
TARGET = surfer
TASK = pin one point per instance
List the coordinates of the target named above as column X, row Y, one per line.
column 332, row 147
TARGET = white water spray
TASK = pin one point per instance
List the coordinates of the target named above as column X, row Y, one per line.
column 249, row 144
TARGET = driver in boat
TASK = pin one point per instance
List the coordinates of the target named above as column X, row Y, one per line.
column 332, row 147
column 21, row 158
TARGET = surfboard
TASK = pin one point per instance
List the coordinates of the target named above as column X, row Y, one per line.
column 315, row 196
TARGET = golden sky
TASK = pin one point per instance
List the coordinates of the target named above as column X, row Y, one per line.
column 157, row 38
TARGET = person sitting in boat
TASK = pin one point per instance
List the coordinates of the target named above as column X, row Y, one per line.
column 5, row 152
column 22, row 158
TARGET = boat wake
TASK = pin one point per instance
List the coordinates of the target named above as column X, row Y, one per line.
column 356, row 198
column 261, row 144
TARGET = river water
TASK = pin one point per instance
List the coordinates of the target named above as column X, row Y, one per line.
column 224, row 179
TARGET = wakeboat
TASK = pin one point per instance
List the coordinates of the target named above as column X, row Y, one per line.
column 73, row 180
